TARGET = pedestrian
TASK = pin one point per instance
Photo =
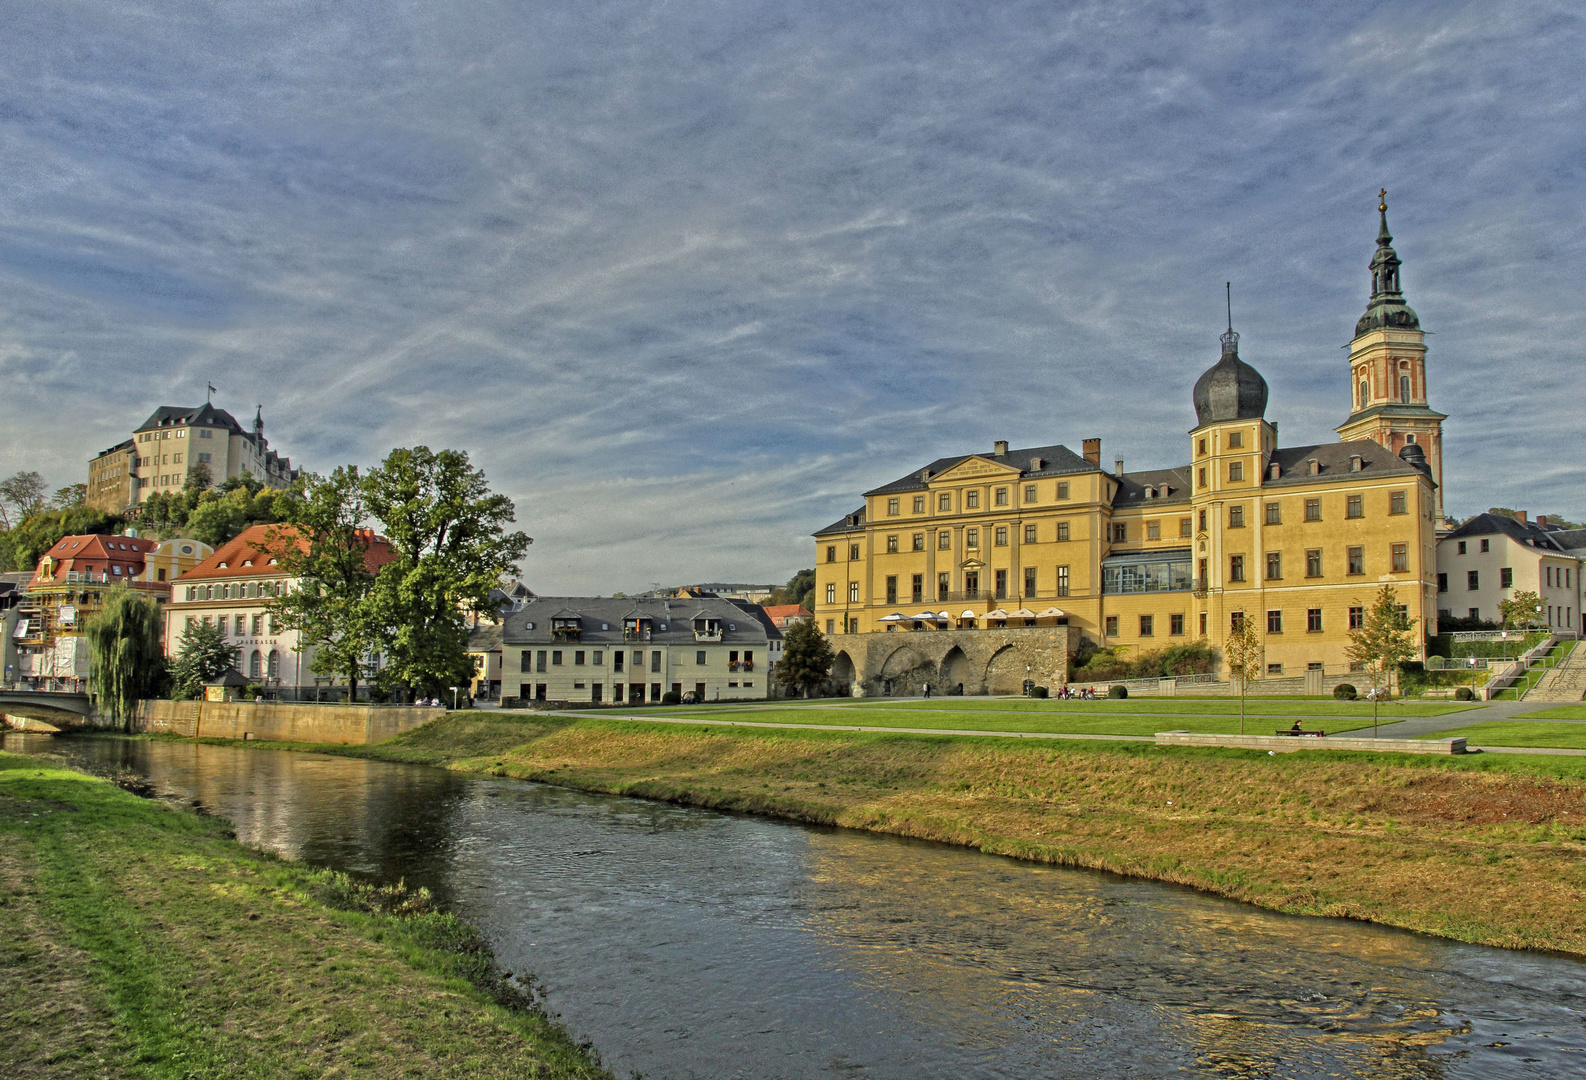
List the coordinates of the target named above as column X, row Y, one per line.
column 927, row 691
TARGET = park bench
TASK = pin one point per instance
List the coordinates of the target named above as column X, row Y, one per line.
column 1302, row 732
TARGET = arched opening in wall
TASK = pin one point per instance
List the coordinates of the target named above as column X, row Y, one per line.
column 905, row 672
column 255, row 665
column 275, row 664
column 958, row 673
column 1005, row 674
column 843, row 674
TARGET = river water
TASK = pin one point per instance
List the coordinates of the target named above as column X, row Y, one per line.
column 686, row 943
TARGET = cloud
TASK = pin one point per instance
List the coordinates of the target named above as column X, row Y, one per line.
column 687, row 278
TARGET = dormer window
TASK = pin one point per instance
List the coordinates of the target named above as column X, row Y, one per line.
column 566, row 628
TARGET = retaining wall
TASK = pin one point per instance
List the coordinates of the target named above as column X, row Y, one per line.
column 342, row 724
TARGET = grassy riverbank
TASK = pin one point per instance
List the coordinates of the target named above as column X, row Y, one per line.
column 139, row 940
column 1484, row 849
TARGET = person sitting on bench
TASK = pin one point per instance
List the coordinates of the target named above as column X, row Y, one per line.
column 1296, row 727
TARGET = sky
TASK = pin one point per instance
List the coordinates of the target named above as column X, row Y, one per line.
column 685, row 278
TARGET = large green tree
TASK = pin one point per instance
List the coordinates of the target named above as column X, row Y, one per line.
column 800, row 589
column 1383, row 640
column 24, row 545
column 202, row 654
column 125, row 653
column 325, row 548
column 449, row 538
column 21, row 496
column 806, row 659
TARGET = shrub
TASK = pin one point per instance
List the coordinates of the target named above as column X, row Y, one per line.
column 1039, row 691
column 1464, row 693
column 672, row 697
column 1344, row 692
column 1116, row 691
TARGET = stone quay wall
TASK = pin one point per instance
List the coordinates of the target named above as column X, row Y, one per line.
column 969, row 662
column 341, row 724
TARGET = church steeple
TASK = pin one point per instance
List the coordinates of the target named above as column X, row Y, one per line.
column 1387, row 307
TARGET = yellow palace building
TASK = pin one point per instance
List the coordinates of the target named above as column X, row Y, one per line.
column 1298, row 539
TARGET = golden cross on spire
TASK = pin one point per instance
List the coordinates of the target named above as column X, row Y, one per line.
column 1383, row 205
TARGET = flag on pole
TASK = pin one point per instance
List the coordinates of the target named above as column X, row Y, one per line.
column 212, row 391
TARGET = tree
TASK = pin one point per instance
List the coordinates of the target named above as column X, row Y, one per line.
column 69, row 497
column 1520, row 610
column 800, row 590
column 1243, row 651
column 326, row 549
column 448, row 535
column 1381, row 643
column 202, row 654
column 214, row 521
column 806, row 658
column 23, row 492
column 126, row 654
column 26, row 544
column 199, row 479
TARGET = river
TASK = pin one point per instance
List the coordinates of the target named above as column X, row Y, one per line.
column 686, row 943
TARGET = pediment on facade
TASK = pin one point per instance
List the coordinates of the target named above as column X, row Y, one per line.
column 977, row 468
column 971, row 564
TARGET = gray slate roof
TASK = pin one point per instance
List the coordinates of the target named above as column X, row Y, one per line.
column 486, row 637
column 1527, row 532
column 1377, row 461
column 1055, row 461
column 600, row 620
column 1132, row 485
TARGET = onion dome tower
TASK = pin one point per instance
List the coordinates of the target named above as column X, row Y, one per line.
column 1230, row 389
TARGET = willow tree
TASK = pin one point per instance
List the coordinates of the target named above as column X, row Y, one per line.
column 124, row 649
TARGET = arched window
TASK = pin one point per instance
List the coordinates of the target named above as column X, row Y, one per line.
column 1362, row 391
column 255, row 665
column 1404, row 388
column 275, row 664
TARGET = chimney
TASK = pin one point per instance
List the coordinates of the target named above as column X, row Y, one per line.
column 1274, row 471
column 999, row 447
column 1117, row 467
column 1093, row 452
column 1541, row 520
column 1519, row 515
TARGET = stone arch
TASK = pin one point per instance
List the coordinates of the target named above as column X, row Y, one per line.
column 843, row 673
column 958, row 673
column 905, row 672
column 1005, row 672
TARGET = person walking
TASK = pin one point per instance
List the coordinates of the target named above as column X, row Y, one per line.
column 927, row 691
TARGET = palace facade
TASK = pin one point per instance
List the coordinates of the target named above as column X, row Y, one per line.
column 1297, row 539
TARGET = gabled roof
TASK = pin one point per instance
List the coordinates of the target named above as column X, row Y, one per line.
column 251, row 551
column 1334, row 461
column 205, row 415
column 787, row 611
column 849, row 523
column 1056, row 460
column 97, row 554
column 1526, row 532
column 603, row 617
column 486, row 637
column 1132, row 487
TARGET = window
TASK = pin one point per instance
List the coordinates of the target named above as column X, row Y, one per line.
column 1236, row 439
column 1062, row 531
column 1313, row 620
column 1153, row 530
column 274, row 664
column 853, row 552
column 1186, row 527
column 1062, row 489
column 919, row 541
column 598, row 658
column 655, row 663
column 1200, row 574
column 1357, row 560
column 1398, row 503
column 1236, row 517
column 1442, row 583
column 578, row 658
column 1200, row 447
column 1236, row 568
column 892, row 544
column 1462, row 547
column 1000, row 497
column 1236, row 471
column 830, row 624
column 240, row 625
column 1062, row 581
column 1203, row 624
column 1472, row 580
column 1313, row 562
column 892, row 508
column 944, row 540
column 1355, row 506
column 556, row 657
column 1274, row 622
column 1002, row 536
column 1549, row 576
column 1274, row 670
column 1274, row 566
column 1029, row 534
column 1002, row 584
column 1401, row 558
column 1200, row 476
column 972, row 538
column 917, row 588
column 1404, row 388
column 1475, row 613
column 1274, row 514
column 1364, row 394
column 1029, row 581
column 1029, row 493
column 1175, row 625
column 853, row 592
column 1313, row 509
column 831, row 593
column 1357, row 618
column 1120, row 532
column 258, row 625
column 1485, row 545
column 831, row 552
column 1112, row 626
column 1236, row 621
column 526, row 660
column 1147, row 625
column 944, row 501
column 971, row 500
column 944, row 585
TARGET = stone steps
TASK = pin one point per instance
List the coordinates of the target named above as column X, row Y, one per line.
column 1565, row 683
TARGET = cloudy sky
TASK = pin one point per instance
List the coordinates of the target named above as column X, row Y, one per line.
column 686, row 277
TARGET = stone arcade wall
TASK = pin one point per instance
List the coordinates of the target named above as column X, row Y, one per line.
column 951, row 661
column 345, row 724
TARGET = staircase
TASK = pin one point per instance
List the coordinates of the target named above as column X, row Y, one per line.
column 1567, row 682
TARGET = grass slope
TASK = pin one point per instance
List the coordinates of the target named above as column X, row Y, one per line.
column 1559, row 712
column 1483, row 849
column 138, row 940
column 1560, row 736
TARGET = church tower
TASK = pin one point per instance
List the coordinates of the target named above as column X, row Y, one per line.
column 1387, row 366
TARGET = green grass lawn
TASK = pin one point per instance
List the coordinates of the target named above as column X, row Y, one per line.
column 1558, row 712
column 1100, row 721
column 1519, row 733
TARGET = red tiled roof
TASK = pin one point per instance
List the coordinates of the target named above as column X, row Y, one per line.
column 250, row 552
column 788, row 611
column 96, row 554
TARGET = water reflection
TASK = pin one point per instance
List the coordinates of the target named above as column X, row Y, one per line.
column 686, row 943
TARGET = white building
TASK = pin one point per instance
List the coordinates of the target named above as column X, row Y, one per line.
column 1491, row 557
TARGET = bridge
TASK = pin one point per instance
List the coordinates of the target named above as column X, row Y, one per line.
column 60, row 710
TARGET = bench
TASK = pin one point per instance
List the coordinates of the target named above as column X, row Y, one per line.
column 1301, row 733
